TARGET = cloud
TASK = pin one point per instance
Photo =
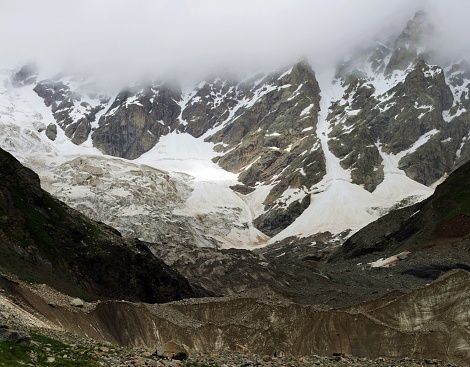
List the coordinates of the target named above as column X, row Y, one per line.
column 188, row 38
column 450, row 19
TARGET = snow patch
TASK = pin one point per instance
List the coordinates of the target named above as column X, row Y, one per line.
column 306, row 110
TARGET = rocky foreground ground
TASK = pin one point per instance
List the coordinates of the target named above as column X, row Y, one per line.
column 45, row 347
column 31, row 338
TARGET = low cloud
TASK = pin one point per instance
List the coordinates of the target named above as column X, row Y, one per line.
column 187, row 39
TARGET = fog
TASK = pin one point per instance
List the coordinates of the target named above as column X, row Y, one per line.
column 121, row 39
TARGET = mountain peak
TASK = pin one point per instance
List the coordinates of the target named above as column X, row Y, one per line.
column 416, row 31
column 412, row 44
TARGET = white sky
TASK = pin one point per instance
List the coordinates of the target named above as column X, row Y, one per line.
column 188, row 38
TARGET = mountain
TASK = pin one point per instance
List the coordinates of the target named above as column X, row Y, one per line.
column 45, row 241
column 288, row 156
column 272, row 301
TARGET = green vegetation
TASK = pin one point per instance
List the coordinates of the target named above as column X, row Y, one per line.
column 42, row 348
column 453, row 197
column 36, row 221
column 196, row 364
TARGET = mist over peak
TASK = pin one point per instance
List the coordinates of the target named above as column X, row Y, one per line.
column 124, row 40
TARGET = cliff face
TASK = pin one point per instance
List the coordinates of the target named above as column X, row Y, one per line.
column 272, row 141
column 137, row 119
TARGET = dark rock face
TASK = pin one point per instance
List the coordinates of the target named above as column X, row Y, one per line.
column 421, row 118
column 273, row 141
column 211, row 104
column 51, row 131
column 276, row 220
column 393, row 122
column 72, row 115
column 137, row 119
column 269, row 127
column 351, row 141
column 43, row 240
column 418, row 106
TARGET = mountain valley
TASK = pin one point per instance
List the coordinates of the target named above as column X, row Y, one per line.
column 292, row 216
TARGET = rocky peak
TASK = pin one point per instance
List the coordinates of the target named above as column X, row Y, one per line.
column 415, row 32
column 272, row 140
column 397, row 119
column 386, row 57
column 411, row 44
column 211, row 105
column 27, row 75
column 431, row 80
column 301, row 73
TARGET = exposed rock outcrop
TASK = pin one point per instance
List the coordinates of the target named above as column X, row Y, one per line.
column 72, row 114
column 137, row 119
column 412, row 44
column 392, row 123
column 51, row 131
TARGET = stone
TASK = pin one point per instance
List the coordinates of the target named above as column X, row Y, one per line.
column 64, row 104
column 14, row 336
column 51, row 131
column 77, row 302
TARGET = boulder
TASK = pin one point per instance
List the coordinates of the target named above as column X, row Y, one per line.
column 77, row 302
column 14, row 336
column 51, row 131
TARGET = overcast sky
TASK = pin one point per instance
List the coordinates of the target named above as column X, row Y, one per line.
column 191, row 37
